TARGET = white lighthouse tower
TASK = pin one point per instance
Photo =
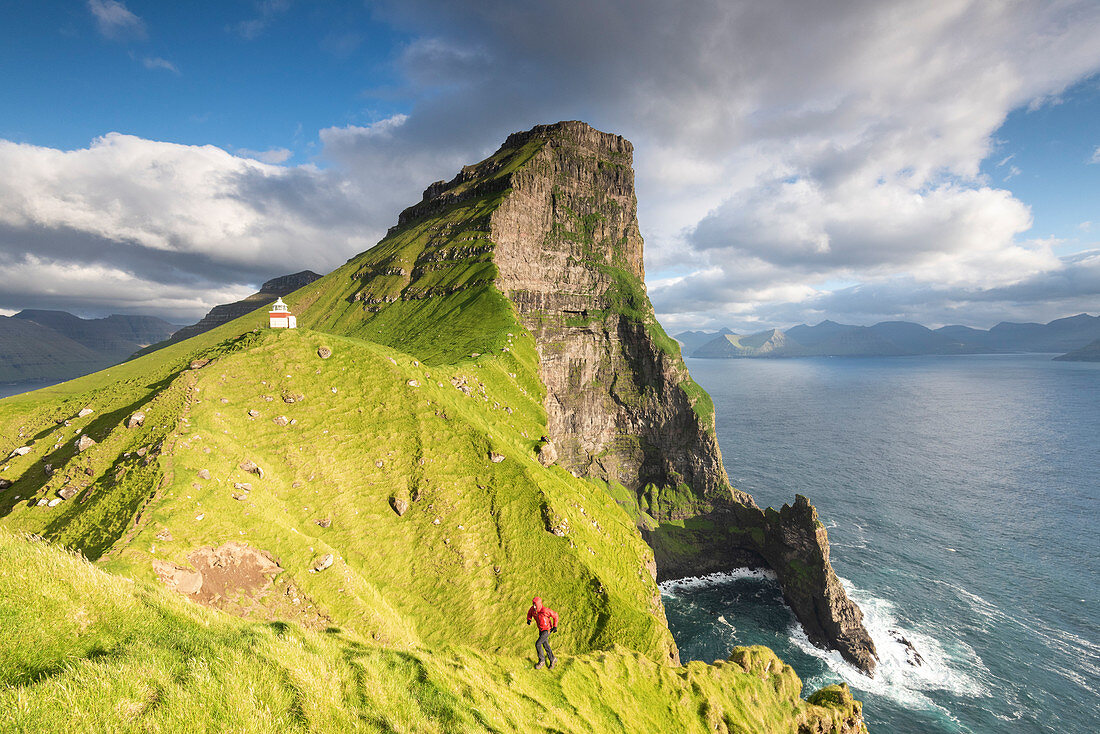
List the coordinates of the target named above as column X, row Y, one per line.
column 280, row 315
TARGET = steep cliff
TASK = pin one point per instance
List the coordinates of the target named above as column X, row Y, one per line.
column 554, row 217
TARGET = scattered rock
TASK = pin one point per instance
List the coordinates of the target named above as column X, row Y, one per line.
column 21, row 451
column 89, row 471
column 5, row 483
column 198, row 364
column 48, row 468
column 200, row 516
column 548, row 453
column 252, row 468
column 295, row 484
column 268, row 398
column 324, row 522
column 240, row 496
column 84, row 412
column 67, row 492
column 164, row 534
column 496, row 570
column 43, row 502
column 280, row 421
column 400, row 506
column 253, row 413
column 204, row 473
column 84, row 443
column 292, row 397
column 495, row 457
column 322, row 563
column 413, row 383
column 141, row 451
column 912, row 657
column 435, row 521
column 324, row 352
column 54, row 502
column 137, row 419
column 247, row 487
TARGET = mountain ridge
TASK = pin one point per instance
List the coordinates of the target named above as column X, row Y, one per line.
column 901, row 338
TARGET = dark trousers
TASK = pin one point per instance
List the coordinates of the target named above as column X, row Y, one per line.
column 543, row 643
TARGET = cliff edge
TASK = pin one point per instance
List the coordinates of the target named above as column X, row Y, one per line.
column 559, row 223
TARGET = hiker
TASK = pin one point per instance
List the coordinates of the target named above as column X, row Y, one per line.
column 547, row 620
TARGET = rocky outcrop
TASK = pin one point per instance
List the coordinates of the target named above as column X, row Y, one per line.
column 561, row 225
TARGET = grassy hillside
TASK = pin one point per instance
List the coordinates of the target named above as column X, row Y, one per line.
column 360, row 500
column 93, row 652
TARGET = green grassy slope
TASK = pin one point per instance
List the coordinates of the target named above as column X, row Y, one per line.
column 431, row 377
column 88, row 651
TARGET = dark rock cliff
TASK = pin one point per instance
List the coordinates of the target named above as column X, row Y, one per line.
column 621, row 407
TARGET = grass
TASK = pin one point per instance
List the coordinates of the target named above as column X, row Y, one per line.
column 416, row 626
column 93, row 652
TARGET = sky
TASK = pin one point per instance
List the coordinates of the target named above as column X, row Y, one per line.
column 934, row 161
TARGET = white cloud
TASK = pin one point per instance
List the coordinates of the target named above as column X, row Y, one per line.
column 273, row 156
column 155, row 62
column 1095, row 155
column 115, row 20
column 131, row 219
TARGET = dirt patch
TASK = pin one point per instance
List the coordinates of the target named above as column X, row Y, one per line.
column 220, row 575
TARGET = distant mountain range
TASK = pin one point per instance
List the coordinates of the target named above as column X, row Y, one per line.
column 894, row 338
column 55, row 345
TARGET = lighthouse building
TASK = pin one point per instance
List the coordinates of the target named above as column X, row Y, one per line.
column 281, row 318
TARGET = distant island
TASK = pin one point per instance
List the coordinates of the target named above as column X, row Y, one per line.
column 1077, row 337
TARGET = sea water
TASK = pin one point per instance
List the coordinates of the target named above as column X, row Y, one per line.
column 962, row 500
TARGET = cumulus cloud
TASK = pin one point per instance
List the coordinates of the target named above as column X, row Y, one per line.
column 273, row 155
column 1095, row 155
column 115, row 21
column 781, row 149
column 129, row 221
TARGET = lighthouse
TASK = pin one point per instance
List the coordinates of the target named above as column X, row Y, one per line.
column 281, row 317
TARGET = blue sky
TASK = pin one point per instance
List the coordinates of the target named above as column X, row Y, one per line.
column 858, row 161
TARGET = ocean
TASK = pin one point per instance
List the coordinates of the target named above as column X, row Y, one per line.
column 962, row 500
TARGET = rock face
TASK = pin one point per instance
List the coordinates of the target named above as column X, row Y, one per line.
column 564, row 239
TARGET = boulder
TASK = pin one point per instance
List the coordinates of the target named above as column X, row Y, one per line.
column 252, row 468
column 280, row 421
column 253, row 413
column 322, row 563
column 21, row 451
column 245, row 486
column 84, row 412
column 54, row 502
column 400, row 505
column 198, row 364
column 204, row 473
column 67, row 492
column 84, row 443
column 5, row 483
column 548, row 453
column 413, row 383
column 48, row 468
column 324, row 352
column 324, row 522
column 495, row 457
column 292, row 397
column 137, row 419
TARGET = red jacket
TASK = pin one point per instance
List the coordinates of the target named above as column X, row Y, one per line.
column 545, row 617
